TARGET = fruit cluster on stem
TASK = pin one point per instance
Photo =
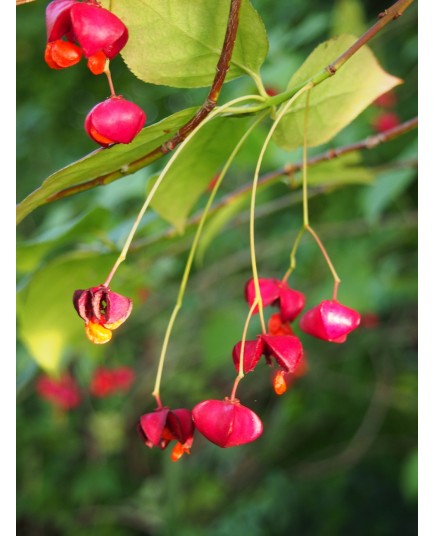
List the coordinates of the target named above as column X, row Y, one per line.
column 76, row 29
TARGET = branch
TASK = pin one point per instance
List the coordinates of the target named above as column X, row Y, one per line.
column 385, row 17
column 394, row 12
column 221, row 71
column 209, row 104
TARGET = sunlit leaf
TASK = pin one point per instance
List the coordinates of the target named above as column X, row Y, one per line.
column 178, row 42
column 47, row 321
column 334, row 103
column 347, row 169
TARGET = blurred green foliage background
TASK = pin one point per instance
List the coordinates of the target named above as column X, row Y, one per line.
column 338, row 454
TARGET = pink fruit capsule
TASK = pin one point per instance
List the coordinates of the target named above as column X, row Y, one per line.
column 330, row 320
column 115, row 120
column 226, row 423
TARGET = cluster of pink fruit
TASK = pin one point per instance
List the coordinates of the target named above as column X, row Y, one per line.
column 64, row 392
column 226, row 423
column 387, row 118
column 76, row 29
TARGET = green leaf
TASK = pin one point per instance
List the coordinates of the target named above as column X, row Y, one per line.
column 104, row 161
column 346, row 169
column 178, row 42
column 335, row 102
column 47, row 322
column 194, row 168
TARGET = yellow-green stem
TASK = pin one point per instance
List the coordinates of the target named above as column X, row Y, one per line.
column 281, row 113
column 305, row 198
column 292, row 258
column 240, row 375
column 189, row 263
column 327, row 258
column 109, row 78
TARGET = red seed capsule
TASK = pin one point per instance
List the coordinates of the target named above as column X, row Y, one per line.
column 115, row 120
column 226, row 423
column 93, row 27
column 330, row 320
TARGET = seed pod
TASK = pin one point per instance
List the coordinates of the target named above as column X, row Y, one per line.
column 115, row 120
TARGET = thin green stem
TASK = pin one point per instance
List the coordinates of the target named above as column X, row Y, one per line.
column 292, row 258
column 156, row 391
column 240, row 375
column 109, row 78
column 260, row 86
column 281, row 113
column 169, row 164
column 305, row 196
column 306, row 226
column 189, row 263
column 327, row 258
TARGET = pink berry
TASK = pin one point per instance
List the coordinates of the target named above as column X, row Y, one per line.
column 268, row 288
column 102, row 311
column 285, row 349
column 115, row 120
column 106, row 382
column 227, row 423
column 163, row 425
column 291, row 303
column 386, row 121
column 58, row 20
column 276, row 292
column 98, row 29
column 253, row 351
column 95, row 28
column 330, row 320
column 271, row 91
column 386, row 100
column 62, row 392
